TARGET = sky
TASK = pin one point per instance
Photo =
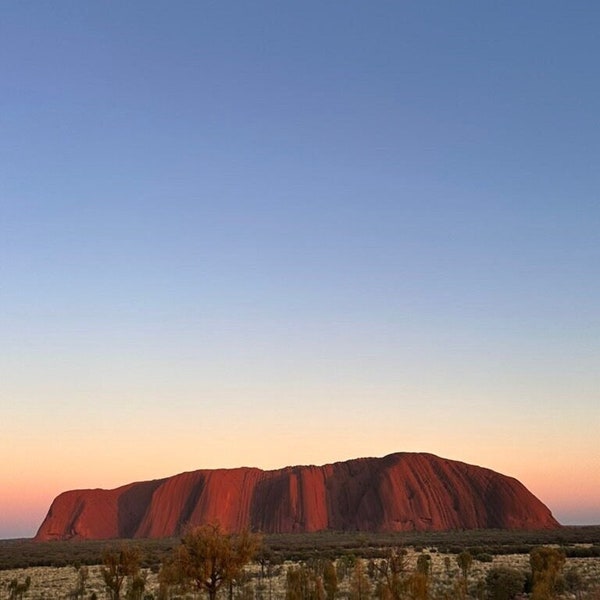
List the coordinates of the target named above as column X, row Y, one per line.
column 274, row 233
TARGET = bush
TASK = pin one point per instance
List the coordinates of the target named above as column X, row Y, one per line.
column 504, row 583
column 484, row 557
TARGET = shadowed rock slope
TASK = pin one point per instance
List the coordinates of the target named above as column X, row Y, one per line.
column 400, row 492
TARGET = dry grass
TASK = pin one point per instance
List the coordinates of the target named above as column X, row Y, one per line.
column 57, row 582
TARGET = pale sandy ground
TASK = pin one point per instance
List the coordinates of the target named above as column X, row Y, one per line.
column 57, row 582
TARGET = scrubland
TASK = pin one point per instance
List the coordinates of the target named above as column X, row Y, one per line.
column 61, row 582
column 293, row 567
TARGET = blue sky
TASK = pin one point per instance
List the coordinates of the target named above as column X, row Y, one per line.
column 275, row 233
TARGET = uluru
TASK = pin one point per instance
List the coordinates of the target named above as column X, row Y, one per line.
column 399, row 492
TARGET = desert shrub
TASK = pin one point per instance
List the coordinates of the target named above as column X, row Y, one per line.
column 582, row 551
column 17, row 588
column 117, row 566
column 360, row 586
column 546, row 568
column 484, row 557
column 82, row 576
column 301, row 583
column 573, row 580
column 418, row 585
column 464, row 560
column 424, row 564
column 330, row 580
column 504, row 583
column 345, row 564
column 392, row 574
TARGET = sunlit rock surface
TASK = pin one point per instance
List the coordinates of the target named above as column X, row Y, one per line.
column 400, row 492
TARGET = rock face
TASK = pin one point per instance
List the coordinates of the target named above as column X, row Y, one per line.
column 400, row 492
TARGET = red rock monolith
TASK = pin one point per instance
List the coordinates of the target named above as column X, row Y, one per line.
column 400, row 492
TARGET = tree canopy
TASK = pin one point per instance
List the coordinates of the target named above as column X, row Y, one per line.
column 208, row 557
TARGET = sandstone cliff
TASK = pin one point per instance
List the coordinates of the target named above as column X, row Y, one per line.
column 400, row 492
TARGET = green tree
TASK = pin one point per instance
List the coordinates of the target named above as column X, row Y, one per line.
column 117, row 566
column 208, row 558
column 504, row 583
